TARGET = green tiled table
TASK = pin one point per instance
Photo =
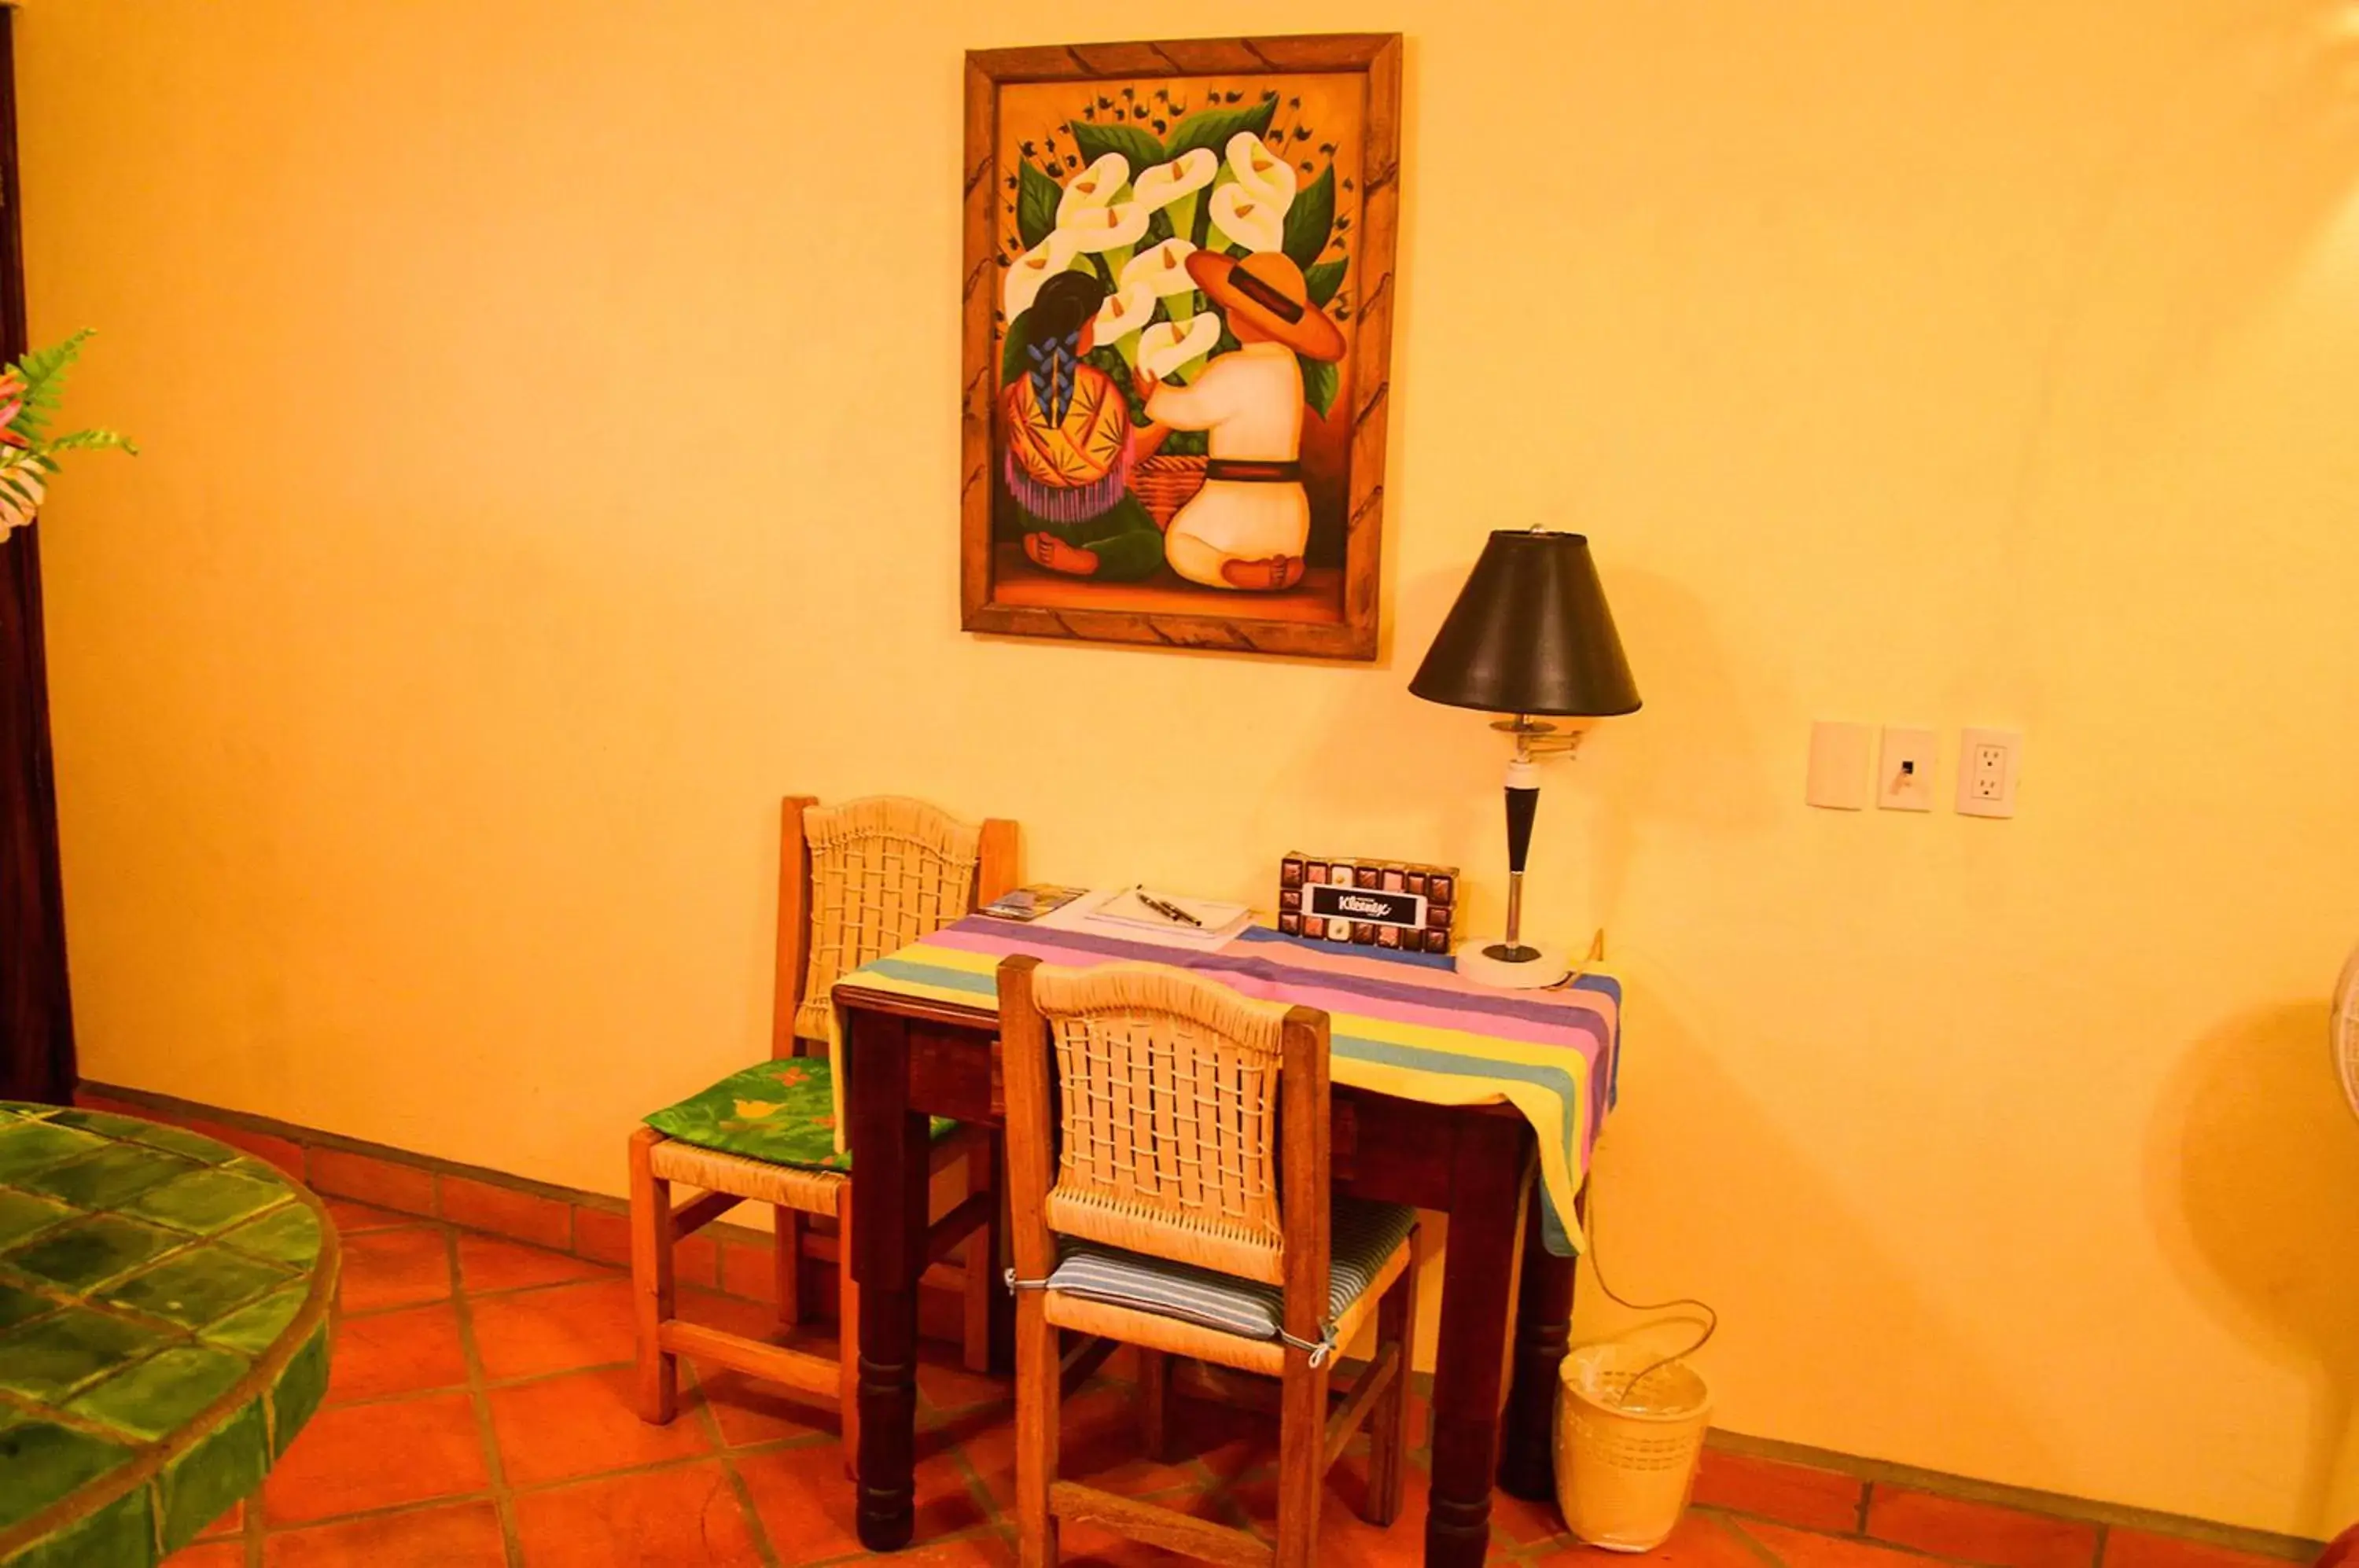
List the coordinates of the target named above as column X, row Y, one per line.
column 163, row 1332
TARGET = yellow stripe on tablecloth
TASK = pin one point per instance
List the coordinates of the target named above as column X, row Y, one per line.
column 1398, row 1031
column 891, row 985
column 1543, row 1107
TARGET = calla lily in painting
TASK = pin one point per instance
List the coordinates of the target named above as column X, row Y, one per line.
column 1268, row 175
column 1032, row 269
column 1126, row 311
column 1248, row 218
column 1093, row 187
column 1105, row 228
column 1164, row 347
column 1163, row 270
column 1164, row 183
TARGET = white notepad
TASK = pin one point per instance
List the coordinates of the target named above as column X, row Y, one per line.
column 1117, row 912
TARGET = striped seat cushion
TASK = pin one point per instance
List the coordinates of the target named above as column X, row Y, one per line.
column 1363, row 1237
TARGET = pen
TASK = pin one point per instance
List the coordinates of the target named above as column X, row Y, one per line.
column 1167, row 910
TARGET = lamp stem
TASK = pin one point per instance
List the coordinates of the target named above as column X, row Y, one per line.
column 1523, row 806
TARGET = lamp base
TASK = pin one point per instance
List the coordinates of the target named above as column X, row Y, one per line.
column 1492, row 962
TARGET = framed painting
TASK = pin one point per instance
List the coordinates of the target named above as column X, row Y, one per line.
column 1178, row 291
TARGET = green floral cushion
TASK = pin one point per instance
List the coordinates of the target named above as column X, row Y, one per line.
column 780, row 1111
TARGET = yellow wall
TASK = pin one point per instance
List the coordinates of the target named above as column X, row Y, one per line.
column 552, row 459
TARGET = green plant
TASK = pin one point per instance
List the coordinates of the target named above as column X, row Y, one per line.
column 29, row 390
column 1074, row 205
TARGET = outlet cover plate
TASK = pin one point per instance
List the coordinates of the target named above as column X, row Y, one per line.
column 1839, row 766
column 1904, row 775
column 1989, row 762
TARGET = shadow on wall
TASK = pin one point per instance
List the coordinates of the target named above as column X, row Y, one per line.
column 1415, row 756
column 2253, row 1176
column 1443, row 764
column 1653, row 764
column 1789, row 1262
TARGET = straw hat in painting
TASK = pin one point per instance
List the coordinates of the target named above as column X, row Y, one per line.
column 1266, row 289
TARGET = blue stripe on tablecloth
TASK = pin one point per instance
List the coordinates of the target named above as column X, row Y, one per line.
column 1261, row 936
column 1505, row 1004
column 938, row 975
column 1557, row 1081
column 1605, row 1089
column 1423, row 1059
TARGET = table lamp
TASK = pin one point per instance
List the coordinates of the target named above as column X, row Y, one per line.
column 1530, row 637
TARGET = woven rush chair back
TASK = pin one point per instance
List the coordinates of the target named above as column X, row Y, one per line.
column 1173, row 1090
column 883, row 871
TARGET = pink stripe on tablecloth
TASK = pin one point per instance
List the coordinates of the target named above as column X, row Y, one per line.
column 1345, row 959
column 1299, row 985
column 1438, row 1015
column 1262, row 945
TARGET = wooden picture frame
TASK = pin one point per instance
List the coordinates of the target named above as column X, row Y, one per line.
column 1111, row 491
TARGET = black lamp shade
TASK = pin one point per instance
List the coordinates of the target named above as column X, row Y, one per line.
column 1530, row 633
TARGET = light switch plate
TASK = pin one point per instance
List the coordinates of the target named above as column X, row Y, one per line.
column 1988, row 764
column 1904, row 773
column 1839, row 766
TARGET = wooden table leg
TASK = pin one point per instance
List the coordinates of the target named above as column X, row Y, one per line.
column 1486, row 1183
column 888, row 1197
column 1543, row 1327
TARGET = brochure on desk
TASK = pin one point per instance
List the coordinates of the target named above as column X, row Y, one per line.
column 1118, row 912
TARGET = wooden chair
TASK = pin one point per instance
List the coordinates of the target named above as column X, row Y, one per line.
column 855, row 881
column 1161, row 1208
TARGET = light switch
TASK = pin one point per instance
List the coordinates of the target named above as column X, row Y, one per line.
column 1904, row 773
column 1839, row 766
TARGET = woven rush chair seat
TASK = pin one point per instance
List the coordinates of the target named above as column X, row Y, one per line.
column 796, row 1187
column 855, row 882
column 1366, row 1237
column 1167, row 1186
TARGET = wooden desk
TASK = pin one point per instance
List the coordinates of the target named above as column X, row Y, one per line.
column 907, row 1060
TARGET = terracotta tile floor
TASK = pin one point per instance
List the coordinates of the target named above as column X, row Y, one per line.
column 479, row 1414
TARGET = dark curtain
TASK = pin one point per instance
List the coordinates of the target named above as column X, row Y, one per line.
column 36, row 1054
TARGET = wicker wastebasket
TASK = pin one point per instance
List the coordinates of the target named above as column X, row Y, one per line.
column 1629, row 1433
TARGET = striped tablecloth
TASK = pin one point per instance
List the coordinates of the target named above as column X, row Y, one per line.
column 1402, row 1024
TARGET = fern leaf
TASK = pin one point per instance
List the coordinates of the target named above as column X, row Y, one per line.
column 43, row 371
column 92, row 441
column 42, row 365
column 29, row 392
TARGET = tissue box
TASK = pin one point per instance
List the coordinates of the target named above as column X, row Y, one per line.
column 1398, row 904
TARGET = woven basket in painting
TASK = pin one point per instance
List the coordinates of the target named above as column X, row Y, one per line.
column 1164, row 484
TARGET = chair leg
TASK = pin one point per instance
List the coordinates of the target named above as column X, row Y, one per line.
column 1301, row 1459
column 980, row 1261
column 788, row 1258
column 1388, row 1433
column 847, row 1338
column 1154, row 1401
column 1038, row 1376
column 652, row 1281
column 1003, row 1253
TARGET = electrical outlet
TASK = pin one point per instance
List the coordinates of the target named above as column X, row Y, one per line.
column 1988, row 763
column 1989, row 782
